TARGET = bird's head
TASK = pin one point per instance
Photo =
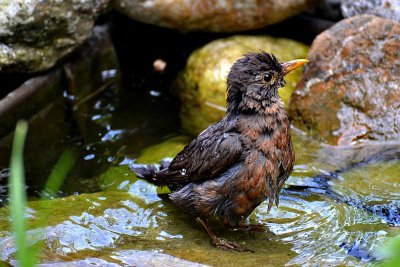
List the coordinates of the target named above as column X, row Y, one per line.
column 254, row 79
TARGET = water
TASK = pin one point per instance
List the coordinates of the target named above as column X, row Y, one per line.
column 128, row 222
column 103, row 130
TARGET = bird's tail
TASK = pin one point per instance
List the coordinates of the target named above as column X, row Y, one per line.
column 149, row 172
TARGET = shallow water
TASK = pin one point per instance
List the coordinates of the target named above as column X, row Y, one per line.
column 129, row 220
column 106, row 216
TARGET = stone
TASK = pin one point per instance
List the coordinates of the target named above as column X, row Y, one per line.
column 349, row 92
column 389, row 9
column 201, row 86
column 212, row 15
column 35, row 34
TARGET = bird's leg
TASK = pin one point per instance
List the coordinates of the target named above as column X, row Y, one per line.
column 220, row 243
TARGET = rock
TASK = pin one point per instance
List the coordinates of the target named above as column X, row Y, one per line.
column 389, row 9
column 35, row 34
column 212, row 15
column 201, row 86
column 349, row 91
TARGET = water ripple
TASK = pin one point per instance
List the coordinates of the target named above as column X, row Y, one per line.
column 322, row 231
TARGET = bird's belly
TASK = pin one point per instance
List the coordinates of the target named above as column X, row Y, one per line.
column 231, row 197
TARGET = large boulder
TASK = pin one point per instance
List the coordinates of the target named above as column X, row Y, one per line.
column 201, row 86
column 35, row 34
column 350, row 89
column 212, row 15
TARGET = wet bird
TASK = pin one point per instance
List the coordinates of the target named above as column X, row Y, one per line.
column 244, row 159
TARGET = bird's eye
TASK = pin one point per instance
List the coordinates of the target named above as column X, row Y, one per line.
column 267, row 77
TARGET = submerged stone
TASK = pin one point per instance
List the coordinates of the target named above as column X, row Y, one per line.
column 201, row 86
column 372, row 188
column 363, row 176
column 114, row 226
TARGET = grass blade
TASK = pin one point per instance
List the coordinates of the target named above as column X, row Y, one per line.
column 17, row 195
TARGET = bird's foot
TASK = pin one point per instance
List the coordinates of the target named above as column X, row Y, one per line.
column 230, row 246
column 220, row 243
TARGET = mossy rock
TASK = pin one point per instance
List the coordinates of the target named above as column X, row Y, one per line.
column 201, row 86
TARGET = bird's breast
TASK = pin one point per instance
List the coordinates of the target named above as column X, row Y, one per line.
column 268, row 147
column 264, row 132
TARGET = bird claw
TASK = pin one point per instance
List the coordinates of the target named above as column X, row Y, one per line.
column 230, row 246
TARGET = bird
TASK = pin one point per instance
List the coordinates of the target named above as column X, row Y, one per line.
column 240, row 161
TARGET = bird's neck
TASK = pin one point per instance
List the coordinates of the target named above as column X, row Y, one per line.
column 253, row 101
column 265, row 107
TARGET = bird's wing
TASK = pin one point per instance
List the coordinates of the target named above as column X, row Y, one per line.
column 213, row 152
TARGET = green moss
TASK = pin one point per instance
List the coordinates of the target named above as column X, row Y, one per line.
column 201, row 86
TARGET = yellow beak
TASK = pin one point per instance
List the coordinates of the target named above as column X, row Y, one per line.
column 293, row 64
